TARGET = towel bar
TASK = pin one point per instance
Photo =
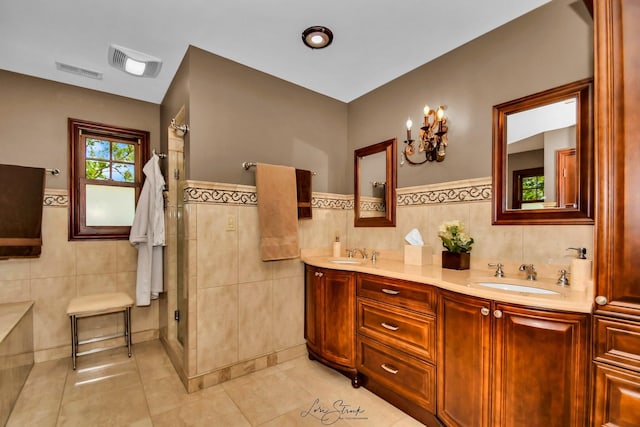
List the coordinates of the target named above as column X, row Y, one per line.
column 249, row 165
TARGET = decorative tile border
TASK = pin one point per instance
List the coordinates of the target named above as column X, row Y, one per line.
column 471, row 190
column 55, row 198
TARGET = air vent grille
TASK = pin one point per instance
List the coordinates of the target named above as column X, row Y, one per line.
column 67, row 68
column 119, row 57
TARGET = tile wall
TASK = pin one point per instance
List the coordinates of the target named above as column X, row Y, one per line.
column 245, row 314
column 68, row 269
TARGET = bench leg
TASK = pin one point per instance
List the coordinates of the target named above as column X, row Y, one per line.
column 74, row 339
column 127, row 328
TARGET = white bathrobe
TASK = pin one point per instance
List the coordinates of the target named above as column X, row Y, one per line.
column 147, row 234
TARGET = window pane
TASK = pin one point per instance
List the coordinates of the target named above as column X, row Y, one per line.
column 122, row 172
column 97, row 170
column 123, row 152
column 110, row 206
column 97, row 149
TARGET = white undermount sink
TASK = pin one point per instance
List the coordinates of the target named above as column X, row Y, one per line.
column 349, row 261
column 517, row 288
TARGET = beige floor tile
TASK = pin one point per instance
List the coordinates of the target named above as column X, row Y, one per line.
column 101, row 374
column 116, row 408
column 109, row 389
column 167, row 393
column 215, row 408
column 39, row 401
column 263, row 397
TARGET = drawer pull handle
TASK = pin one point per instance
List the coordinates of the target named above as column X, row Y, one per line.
column 390, row 327
column 389, row 369
column 390, row 291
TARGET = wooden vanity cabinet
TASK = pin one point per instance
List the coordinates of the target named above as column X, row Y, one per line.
column 616, row 332
column 396, row 353
column 330, row 319
column 506, row 365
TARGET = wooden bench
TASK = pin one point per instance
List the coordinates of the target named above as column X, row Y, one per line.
column 99, row 305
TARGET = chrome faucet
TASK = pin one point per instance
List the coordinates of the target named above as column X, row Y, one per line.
column 531, row 271
column 363, row 252
column 499, row 272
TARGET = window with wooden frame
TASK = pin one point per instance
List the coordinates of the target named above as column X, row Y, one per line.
column 528, row 187
column 105, row 176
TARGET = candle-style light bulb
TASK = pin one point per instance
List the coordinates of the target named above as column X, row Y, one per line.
column 440, row 113
column 426, row 110
column 409, row 124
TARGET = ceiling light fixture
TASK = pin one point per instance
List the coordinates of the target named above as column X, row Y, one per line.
column 317, row 37
column 133, row 62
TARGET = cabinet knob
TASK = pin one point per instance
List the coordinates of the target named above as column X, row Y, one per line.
column 497, row 314
column 484, row 311
column 601, row 300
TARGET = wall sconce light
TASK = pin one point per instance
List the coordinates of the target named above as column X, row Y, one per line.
column 433, row 137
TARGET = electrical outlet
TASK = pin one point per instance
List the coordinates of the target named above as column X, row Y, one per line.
column 232, row 224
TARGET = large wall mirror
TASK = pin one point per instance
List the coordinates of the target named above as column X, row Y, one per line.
column 375, row 178
column 543, row 157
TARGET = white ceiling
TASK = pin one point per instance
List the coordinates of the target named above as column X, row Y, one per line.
column 375, row 40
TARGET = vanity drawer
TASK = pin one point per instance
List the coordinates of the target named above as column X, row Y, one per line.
column 617, row 342
column 415, row 296
column 401, row 329
column 408, row 377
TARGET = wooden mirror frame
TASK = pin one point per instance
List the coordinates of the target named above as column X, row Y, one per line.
column 583, row 213
column 389, row 220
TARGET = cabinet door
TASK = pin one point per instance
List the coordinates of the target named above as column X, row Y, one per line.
column 339, row 317
column 617, row 398
column 464, row 343
column 313, row 304
column 617, row 61
column 540, row 367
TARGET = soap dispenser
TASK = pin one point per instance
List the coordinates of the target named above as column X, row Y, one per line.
column 580, row 269
column 337, row 247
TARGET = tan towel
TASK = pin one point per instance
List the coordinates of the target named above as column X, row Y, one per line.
column 277, row 211
column 21, row 200
column 303, row 187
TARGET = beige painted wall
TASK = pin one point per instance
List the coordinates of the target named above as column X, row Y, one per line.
column 238, row 114
column 34, row 113
column 545, row 48
column 33, row 116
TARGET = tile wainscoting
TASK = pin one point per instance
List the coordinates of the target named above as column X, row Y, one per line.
column 68, row 269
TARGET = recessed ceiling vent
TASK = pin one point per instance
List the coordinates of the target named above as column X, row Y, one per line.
column 134, row 62
column 79, row 71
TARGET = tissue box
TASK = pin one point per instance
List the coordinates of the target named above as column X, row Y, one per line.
column 418, row 255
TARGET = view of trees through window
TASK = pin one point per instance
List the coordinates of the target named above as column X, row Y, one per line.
column 110, row 160
column 532, row 189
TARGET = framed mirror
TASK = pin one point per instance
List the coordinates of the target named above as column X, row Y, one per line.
column 543, row 157
column 375, row 177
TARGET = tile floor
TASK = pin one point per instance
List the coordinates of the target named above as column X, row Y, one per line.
column 109, row 389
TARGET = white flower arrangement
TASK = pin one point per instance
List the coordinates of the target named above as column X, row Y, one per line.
column 454, row 238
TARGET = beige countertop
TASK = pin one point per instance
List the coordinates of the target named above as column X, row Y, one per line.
column 10, row 315
column 463, row 281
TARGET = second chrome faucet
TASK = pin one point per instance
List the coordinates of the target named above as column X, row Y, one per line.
column 532, row 274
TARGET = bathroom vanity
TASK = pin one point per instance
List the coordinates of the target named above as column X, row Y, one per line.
column 449, row 352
